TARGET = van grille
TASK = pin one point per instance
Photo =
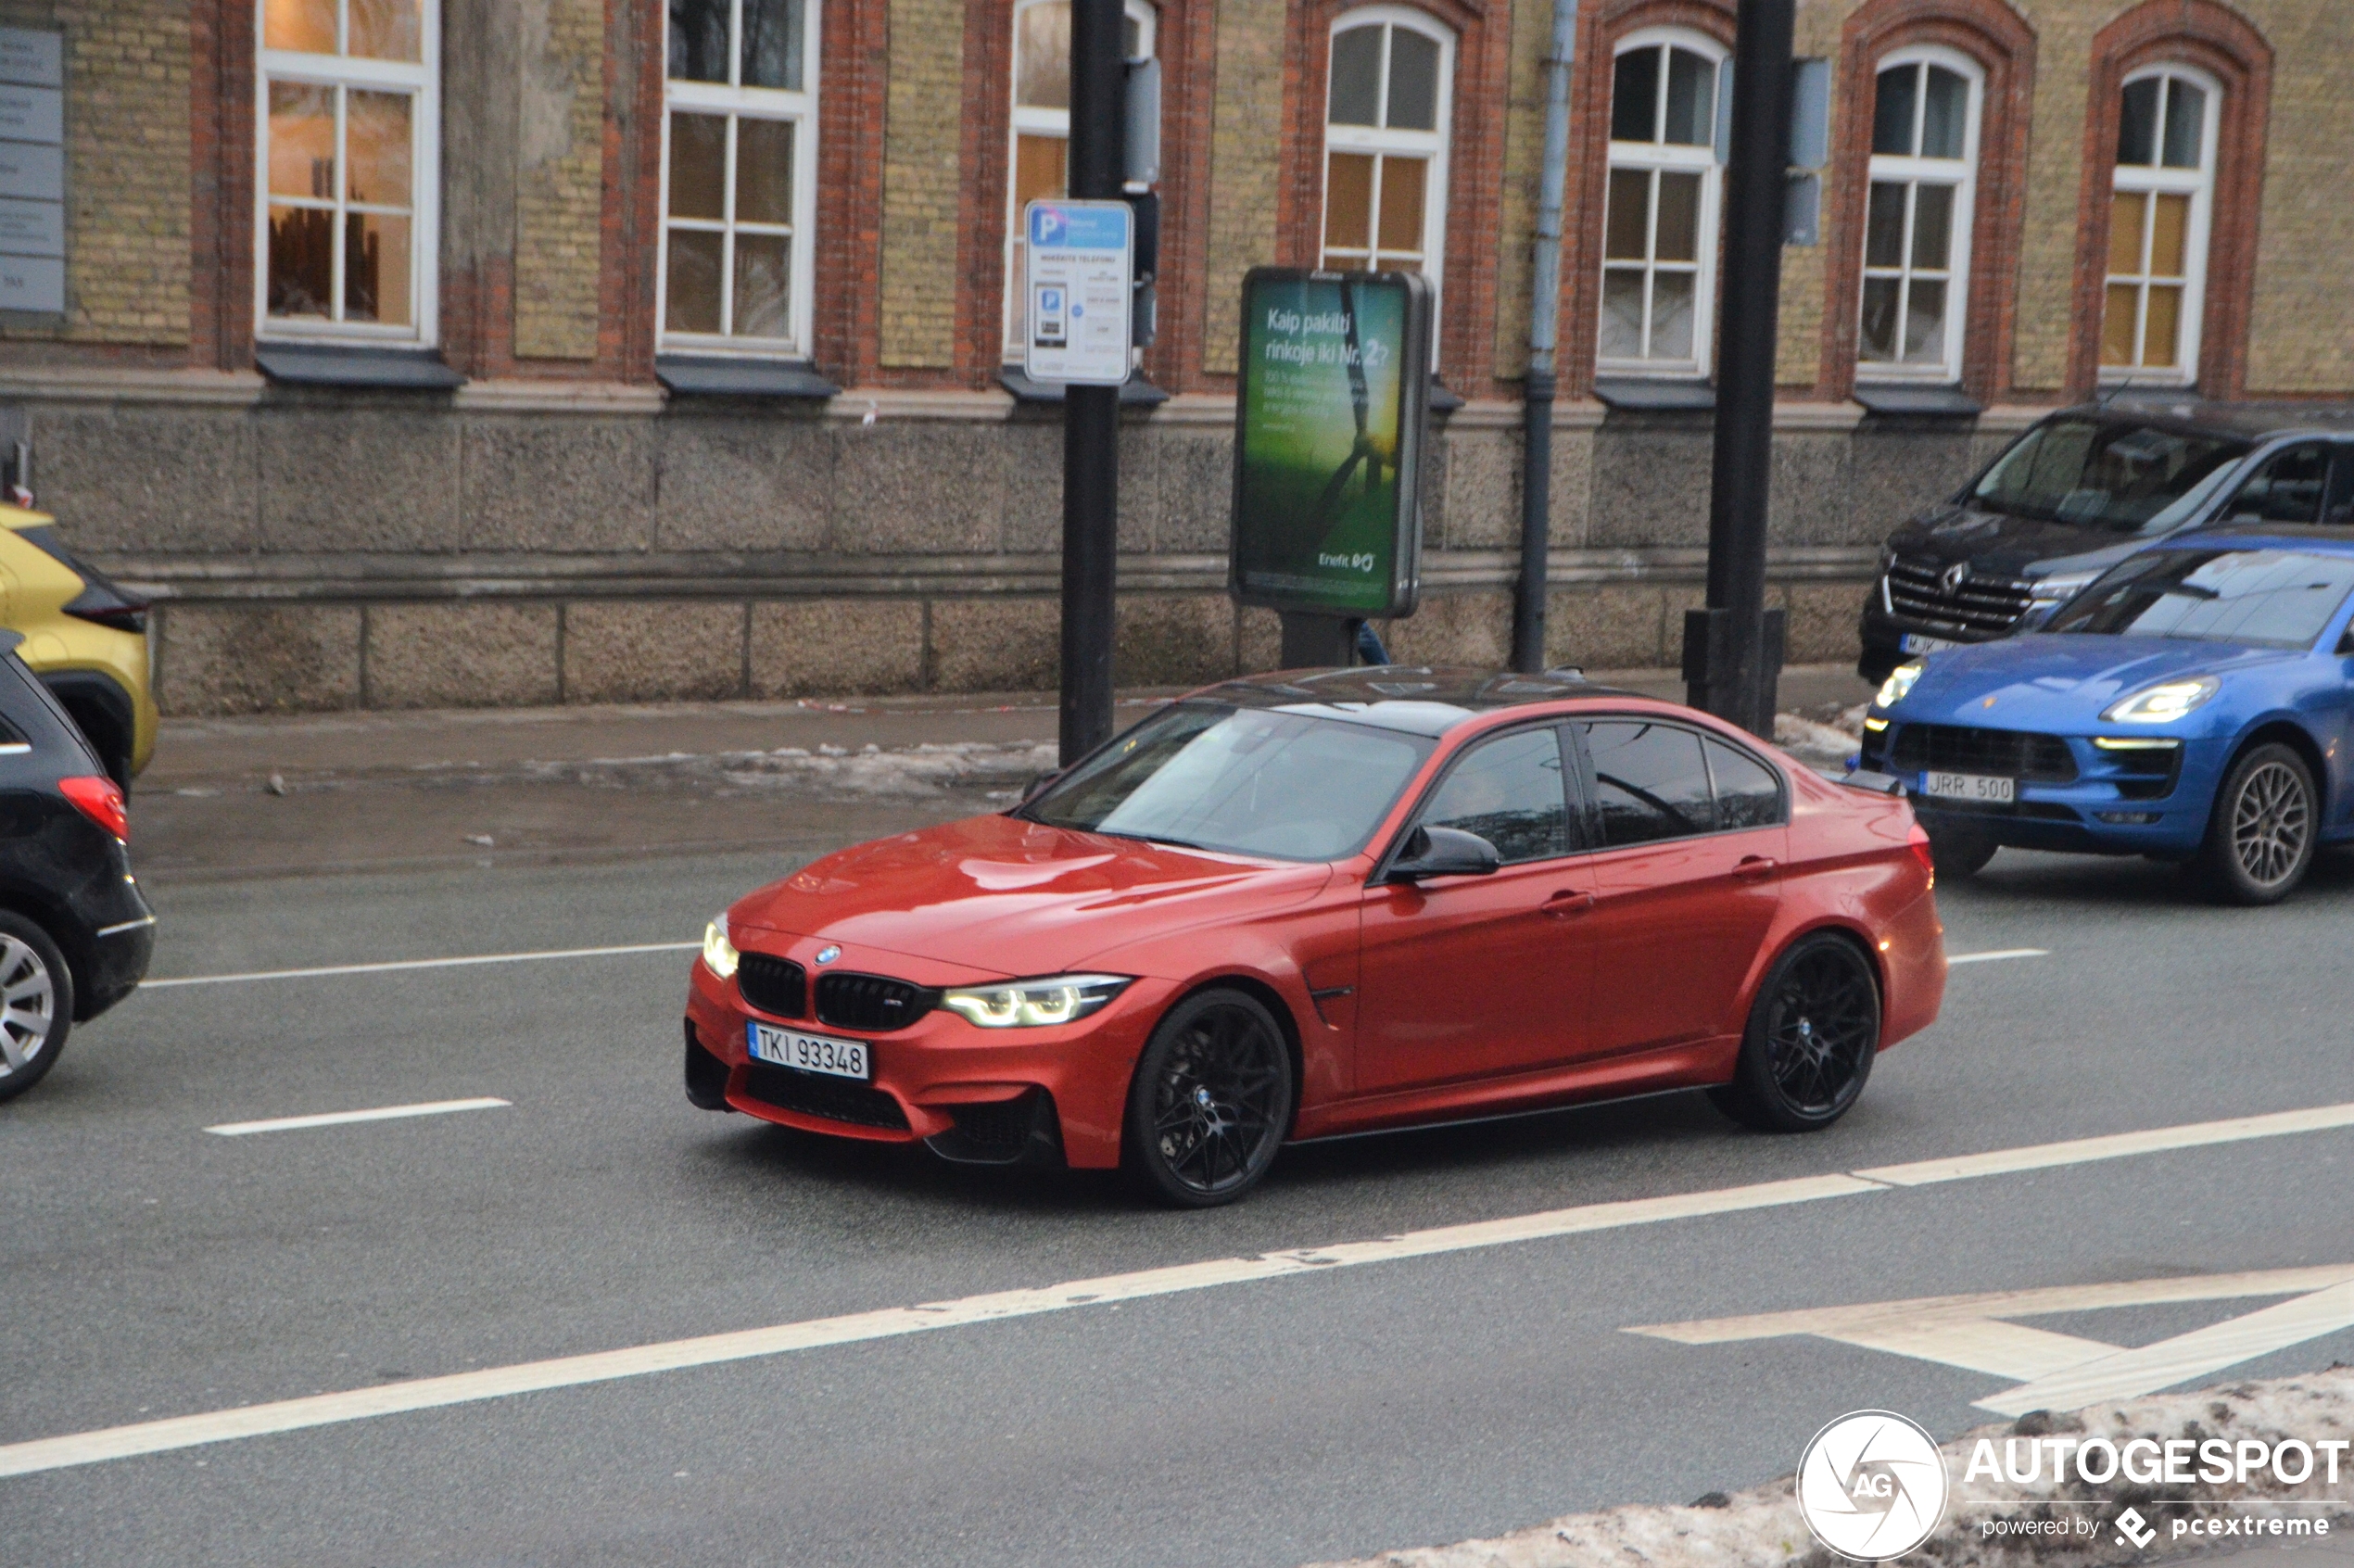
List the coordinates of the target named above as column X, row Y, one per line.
column 1984, row 604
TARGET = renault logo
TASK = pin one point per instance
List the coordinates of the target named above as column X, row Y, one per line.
column 1956, row 575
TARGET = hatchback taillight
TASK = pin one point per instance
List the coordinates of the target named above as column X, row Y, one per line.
column 101, row 802
column 109, row 606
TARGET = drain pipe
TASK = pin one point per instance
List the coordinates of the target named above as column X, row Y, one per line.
column 1544, row 319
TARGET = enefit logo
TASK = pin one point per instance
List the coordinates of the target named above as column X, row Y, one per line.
column 1872, row 1486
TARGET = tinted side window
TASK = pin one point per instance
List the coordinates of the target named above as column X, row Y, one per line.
column 1652, row 782
column 1748, row 795
column 1509, row 792
column 2286, row 489
column 2339, row 508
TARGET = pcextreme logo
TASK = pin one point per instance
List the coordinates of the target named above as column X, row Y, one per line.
column 1872, row 1486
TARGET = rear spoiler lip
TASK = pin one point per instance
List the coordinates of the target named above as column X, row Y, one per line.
column 1878, row 783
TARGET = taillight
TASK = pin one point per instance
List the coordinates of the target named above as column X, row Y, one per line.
column 1918, row 841
column 109, row 606
column 101, row 802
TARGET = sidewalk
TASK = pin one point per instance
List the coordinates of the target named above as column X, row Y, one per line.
column 228, row 798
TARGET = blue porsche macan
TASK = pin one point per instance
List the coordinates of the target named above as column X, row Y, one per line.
column 2193, row 705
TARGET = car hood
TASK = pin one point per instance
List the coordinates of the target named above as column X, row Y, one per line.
column 2043, row 679
column 1011, row 897
column 1998, row 544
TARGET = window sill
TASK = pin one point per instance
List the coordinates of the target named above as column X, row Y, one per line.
column 698, row 376
column 1135, row 392
column 1894, row 400
column 1642, row 394
column 337, row 364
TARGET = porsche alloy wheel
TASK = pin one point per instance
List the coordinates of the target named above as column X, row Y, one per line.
column 1810, row 1040
column 2259, row 841
column 36, row 1004
column 1211, row 1100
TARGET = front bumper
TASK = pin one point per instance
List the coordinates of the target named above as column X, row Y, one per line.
column 2118, row 803
column 972, row 1093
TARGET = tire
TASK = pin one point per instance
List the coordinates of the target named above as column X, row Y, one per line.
column 1812, row 1035
column 2260, row 834
column 1211, row 1101
column 36, row 1004
column 1960, row 855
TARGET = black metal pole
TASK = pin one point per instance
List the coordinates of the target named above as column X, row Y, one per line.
column 1091, row 414
column 1735, row 678
column 1536, row 523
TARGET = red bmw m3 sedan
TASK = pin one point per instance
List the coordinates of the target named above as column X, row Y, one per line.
column 1311, row 904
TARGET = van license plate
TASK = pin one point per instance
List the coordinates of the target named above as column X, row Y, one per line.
column 1916, row 643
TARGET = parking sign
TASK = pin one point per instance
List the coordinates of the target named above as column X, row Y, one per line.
column 1076, row 297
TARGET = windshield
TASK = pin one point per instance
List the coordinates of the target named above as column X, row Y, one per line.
column 1242, row 779
column 2105, row 474
column 2272, row 598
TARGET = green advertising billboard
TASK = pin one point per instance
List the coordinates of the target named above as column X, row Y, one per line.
column 1329, row 418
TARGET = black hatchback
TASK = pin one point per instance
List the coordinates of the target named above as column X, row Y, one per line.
column 75, row 934
column 2082, row 490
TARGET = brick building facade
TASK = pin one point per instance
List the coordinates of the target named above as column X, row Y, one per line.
column 462, row 352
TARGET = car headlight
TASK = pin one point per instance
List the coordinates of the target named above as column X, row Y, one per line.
column 2167, row 700
column 2046, row 593
column 718, row 954
column 1900, row 680
column 1031, row 1004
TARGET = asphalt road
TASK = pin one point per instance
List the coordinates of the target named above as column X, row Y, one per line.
column 149, row 1269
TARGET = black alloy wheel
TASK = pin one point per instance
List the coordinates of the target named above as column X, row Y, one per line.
column 2260, row 838
column 1958, row 853
column 1812, row 1036
column 1211, row 1100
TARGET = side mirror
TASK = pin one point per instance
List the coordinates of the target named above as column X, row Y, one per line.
column 1444, row 852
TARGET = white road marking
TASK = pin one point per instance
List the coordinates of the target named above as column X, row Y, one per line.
column 2117, row 1145
column 323, row 1410
column 337, row 1119
column 2062, row 1371
column 1997, row 954
column 422, row 964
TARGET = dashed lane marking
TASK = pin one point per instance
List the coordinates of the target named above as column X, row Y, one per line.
column 1997, row 956
column 325, row 1410
column 419, row 964
column 337, row 1119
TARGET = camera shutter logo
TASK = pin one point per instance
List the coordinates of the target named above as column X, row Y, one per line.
column 1872, row 1486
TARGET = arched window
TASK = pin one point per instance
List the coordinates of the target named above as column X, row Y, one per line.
column 739, row 175
column 1041, row 128
column 2158, row 225
column 1659, row 227
column 1916, row 222
column 1386, row 107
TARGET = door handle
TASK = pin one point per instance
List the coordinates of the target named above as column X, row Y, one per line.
column 1752, row 867
column 1568, row 902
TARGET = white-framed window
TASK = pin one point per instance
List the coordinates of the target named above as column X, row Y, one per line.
column 1040, row 169
column 1660, row 215
column 739, row 176
column 1388, row 102
column 1917, row 216
column 348, row 122
column 2158, row 213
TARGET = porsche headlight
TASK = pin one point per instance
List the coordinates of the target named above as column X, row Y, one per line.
column 1900, row 680
column 718, row 953
column 1031, row 1004
column 2158, row 704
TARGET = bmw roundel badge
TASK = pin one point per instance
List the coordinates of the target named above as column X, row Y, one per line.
column 827, row 954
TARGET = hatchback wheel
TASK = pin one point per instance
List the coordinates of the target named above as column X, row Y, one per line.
column 1211, row 1100
column 2260, row 838
column 36, row 1004
column 1810, row 1040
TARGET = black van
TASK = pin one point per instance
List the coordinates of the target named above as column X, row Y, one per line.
column 2082, row 489
column 75, row 934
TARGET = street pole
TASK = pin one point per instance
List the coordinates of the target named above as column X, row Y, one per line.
column 1091, row 414
column 1536, row 436
column 1726, row 672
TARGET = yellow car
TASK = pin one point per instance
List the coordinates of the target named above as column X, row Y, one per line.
column 85, row 638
